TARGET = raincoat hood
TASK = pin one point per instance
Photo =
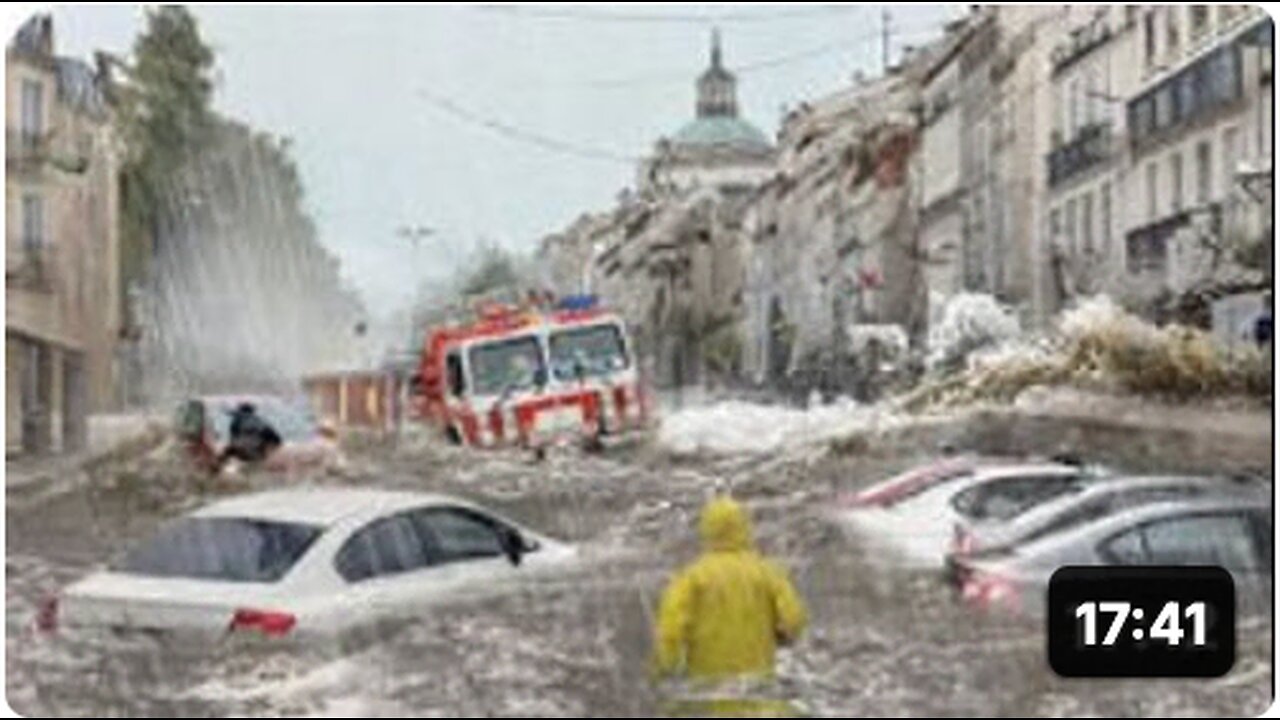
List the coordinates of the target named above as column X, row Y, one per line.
column 724, row 526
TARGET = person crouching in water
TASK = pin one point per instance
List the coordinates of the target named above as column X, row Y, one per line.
column 251, row 439
column 722, row 618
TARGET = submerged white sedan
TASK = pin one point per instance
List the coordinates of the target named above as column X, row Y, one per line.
column 306, row 561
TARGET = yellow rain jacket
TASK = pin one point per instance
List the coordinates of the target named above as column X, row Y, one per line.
column 725, row 613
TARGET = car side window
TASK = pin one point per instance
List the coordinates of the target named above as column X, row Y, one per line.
column 1222, row 539
column 383, row 547
column 1127, row 548
column 459, row 534
column 1261, row 522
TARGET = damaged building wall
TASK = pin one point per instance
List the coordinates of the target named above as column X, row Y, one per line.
column 833, row 237
column 671, row 266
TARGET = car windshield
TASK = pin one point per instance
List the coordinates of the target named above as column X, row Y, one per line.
column 221, row 548
column 293, row 423
column 506, row 365
column 587, row 352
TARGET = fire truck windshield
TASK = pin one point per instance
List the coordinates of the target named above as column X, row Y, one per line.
column 587, row 352
column 504, row 365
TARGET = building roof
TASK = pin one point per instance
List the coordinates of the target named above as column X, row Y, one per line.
column 34, row 37
column 78, row 86
column 721, row 130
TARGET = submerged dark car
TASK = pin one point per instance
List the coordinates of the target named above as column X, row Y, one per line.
column 204, row 427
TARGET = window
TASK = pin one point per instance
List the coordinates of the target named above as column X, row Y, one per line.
column 1199, row 20
column 1147, row 252
column 1069, row 231
column 506, row 365
column 587, row 352
column 1055, row 222
column 384, row 547
column 1073, row 119
column 1153, row 194
column 1175, row 182
column 1172, row 37
column 1142, row 117
column 458, row 534
column 1086, row 222
column 456, row 378
column 32, row 110
column 1164, row 106
column 1149, row 36
column 1092, row 101
column 1225, row 540
column 32, row 222
column 1104, row 212
column 1230, row 157
column 1204, row 172
column 222, row 548
column 1222, row 70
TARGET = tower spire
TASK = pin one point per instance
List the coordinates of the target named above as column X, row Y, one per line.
column 717, row 94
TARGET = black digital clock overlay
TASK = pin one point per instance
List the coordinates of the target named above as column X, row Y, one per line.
column 1141, row 621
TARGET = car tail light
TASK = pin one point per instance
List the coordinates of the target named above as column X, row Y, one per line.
column 267, row 622
column 877, row 497
column 987, row 591
column 47, row 614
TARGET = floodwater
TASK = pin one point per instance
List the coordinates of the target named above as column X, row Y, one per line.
column 882, row 641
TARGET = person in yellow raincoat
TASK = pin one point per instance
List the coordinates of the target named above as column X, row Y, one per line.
column 724, row 615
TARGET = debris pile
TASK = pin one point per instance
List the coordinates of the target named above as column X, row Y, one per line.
column 1099, row 346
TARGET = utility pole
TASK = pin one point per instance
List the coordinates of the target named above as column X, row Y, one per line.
column 884, row 41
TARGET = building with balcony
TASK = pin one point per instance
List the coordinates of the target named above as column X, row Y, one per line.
column 1198, row 145
column 61, row 245
column 1093, row 69
column 1003, row 94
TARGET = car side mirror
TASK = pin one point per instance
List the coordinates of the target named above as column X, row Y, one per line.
column 513, row 545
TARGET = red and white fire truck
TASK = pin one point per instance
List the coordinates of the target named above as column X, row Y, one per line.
column 531, row 377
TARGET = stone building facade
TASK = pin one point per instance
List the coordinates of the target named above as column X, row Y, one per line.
column 61, row 245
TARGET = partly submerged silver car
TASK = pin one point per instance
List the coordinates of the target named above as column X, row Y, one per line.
column 1081, row 504
column 1233, row 531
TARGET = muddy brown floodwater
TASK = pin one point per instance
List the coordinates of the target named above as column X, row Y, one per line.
column 883, row 641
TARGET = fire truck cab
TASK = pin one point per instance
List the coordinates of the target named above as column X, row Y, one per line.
column 531, row 378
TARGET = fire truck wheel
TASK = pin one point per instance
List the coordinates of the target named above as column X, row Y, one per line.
column 594, row 444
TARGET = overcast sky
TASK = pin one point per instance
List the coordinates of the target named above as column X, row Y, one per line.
column 351, row 86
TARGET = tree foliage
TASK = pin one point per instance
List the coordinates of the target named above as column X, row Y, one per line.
column 163, row 110
column 495, row 272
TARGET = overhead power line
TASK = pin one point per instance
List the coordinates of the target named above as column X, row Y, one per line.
column 749, row 68
column 517, row 133
column 575, row 13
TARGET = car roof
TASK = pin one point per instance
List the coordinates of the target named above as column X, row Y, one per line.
column 321, row 506
column 1020, row 469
